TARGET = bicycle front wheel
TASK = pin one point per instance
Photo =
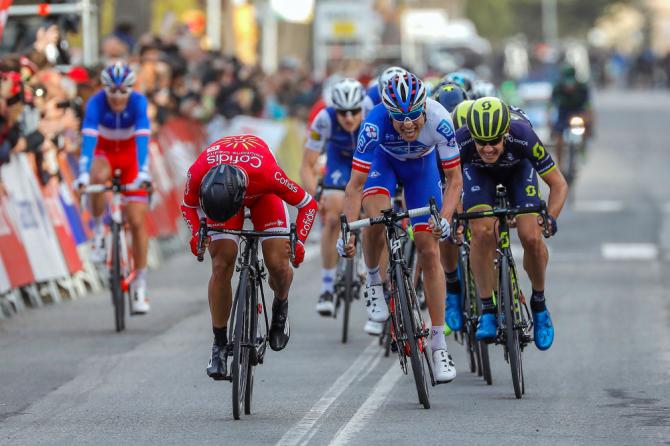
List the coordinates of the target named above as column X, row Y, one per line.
column 240, row 366
column 513, row 342
column 254, row 340
column 412, row 337
column 115, row 279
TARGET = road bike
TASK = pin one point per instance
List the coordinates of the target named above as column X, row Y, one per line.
column 248, row 339
column 119, row 261
column 515, row 323
column 408, row 330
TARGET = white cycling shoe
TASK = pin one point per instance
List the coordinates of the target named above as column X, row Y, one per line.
column 98, row 248
column 378, row 311
column 444, row 368
column 374, row 328
column 139, row 301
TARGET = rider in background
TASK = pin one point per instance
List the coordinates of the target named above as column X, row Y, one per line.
column 569, row 97
column 234, row 173
column 115, row 136
column 374, row 93
column 334, row 129
column 450, row 95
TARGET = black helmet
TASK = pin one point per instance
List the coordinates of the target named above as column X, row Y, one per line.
column 222, row 192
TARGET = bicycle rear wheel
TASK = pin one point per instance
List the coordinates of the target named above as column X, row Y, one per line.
column 415, row 341
column 240, row 366
column 115, row 279
column 511, row 332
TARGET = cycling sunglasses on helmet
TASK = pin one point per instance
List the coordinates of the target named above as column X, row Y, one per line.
column 491, row 142
column 402, row 117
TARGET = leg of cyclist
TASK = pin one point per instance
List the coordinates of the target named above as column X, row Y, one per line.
column 453, row 314
column 136, row 209
column 535, row 254
column 100, row 173
column 269, row 213
column 373, row 246
column 479, row 194
column 223, row 252
column 331, row 208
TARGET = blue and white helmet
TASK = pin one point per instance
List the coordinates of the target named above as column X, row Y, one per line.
column 404, row 96
column 347, row 94
column 482, row 88
column 118, row 75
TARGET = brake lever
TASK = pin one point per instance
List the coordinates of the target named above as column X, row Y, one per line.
column 202, row 235
column 546, row 230
column 293, row 239
column 434, row 212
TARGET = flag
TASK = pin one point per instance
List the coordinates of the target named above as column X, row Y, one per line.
column 4, row 6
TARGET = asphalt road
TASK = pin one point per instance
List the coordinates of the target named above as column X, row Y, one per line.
column 67, row 378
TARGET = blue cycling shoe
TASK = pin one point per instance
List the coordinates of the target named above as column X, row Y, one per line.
column 543, row 329
column 453, row 315
column 487, row 327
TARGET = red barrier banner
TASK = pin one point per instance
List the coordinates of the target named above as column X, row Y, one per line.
column 61, row 225
column 13, row 255
column 182, row 140
column 164, row 213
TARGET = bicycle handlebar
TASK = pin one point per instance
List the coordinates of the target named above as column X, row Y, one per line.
column 390, row 215
column 204, row 230
column 507, row 212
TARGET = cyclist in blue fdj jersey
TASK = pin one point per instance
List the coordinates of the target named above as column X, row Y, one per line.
column 398, row 142
column 334, row 130
column 116, row 135
column 496, row 149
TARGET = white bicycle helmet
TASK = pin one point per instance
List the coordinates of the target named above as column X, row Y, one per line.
column 387, row 74
column 347, row 94
column 482, row 89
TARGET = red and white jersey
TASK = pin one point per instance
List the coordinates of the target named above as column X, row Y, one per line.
column 264, row 176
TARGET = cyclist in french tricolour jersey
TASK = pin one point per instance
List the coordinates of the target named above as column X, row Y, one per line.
column 116, row 135
column 398, row 142
column 334, row 130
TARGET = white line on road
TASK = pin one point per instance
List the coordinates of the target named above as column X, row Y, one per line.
column 599, row 206
column 295, row 435
column 629, row 251
column 381, row 391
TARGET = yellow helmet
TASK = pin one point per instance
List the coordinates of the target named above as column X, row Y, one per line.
column 460, row 112
column 488, row 119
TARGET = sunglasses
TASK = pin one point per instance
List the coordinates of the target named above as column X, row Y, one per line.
column 353, row 112
column 491, row 142
column 402, row 117
column 117, row 91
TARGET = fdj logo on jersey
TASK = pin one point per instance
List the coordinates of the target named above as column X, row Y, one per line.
column 445, row 129
column 371, row 131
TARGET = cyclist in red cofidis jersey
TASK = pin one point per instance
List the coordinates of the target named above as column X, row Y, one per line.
column 234, row 173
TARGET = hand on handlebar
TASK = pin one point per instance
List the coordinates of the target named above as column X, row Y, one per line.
column 550, row 228
column 440, row 230
column 299, row 253
column 194, row 245
column 348, row 250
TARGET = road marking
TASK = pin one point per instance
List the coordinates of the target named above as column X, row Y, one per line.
column 629, row 251
column 599, row 206
column 302, row 428
column 364, row 413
